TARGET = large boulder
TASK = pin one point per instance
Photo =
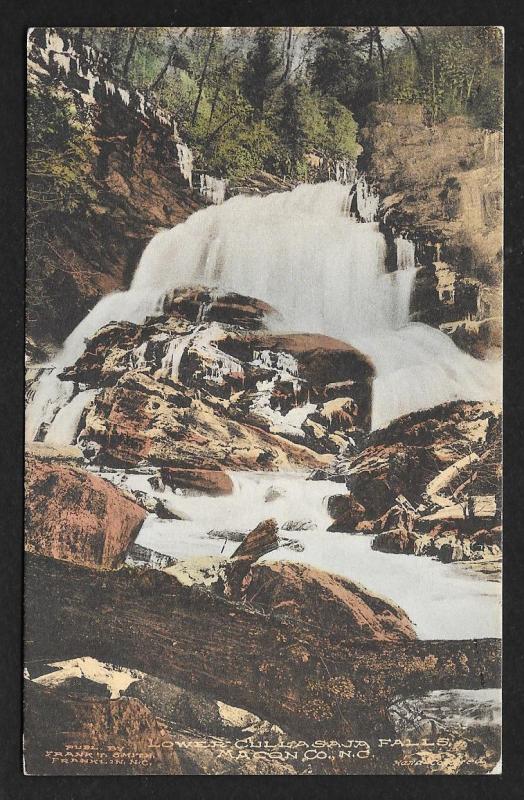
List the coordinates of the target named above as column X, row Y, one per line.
column 404, row 457
column 205, row 481
column 397, row 540
column 345, row 511
column 73, row 515
column 141, row 418
column 338, row 606
column 206, row 380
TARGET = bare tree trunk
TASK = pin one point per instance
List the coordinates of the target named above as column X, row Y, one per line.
column 203, row 77
column 216, row 93
column 164, row 69
column 371, row 40
column 380, row 46
column 130, row 52
column 412, row 42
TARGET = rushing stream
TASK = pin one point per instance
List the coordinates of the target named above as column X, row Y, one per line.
column 444, row 601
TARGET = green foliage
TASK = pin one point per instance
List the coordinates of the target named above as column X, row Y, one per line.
column 452, row 71
column 260, row 76
column 245, row 100
column 341, row 135
column 337, row 69
column 58, row 169
column 59, row 151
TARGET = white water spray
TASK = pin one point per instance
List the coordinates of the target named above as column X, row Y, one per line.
column 303, row 253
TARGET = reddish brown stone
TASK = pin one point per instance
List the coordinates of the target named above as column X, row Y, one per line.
column 75, row 516
column 213, row 482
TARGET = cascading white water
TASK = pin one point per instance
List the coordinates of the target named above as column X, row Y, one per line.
column 427, row 590
column 324, row 271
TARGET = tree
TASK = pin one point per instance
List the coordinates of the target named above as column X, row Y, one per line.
column 340, row 140
column 299, row 122
column 130, row 52
column 203, row 76
column 336, row 68
column 261, row 76
column 60, row 150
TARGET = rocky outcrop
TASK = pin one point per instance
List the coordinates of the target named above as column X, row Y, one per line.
column 338, row 606
column 428, row 484
column 137, row 178
column 206, row 387
column 345, row 511
column 404, row 457
column 206, row 481
column 443, row 186
column 464, row 542
column 75, row 516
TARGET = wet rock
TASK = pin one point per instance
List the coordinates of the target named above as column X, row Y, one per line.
column 290, row 391
column 200, row 304
column 153, row 505
column 144, row 419
column 345, row 511
column 394, row 541
column 449, row 552
column 212, row 482
column 403, row 458
column 263, row 539
column 298, row 525
column 76, row 516
column 272, row 494
column 338, row 606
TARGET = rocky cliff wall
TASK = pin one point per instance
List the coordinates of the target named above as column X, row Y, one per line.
column 442, row 186
column 141, row 175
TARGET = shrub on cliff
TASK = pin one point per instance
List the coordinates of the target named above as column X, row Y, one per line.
column 59, row 151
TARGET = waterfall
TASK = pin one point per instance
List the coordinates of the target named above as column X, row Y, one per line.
column 185, row 160
column 64, row 427
column 305, row 253
column 405, row 253
column 213, row 189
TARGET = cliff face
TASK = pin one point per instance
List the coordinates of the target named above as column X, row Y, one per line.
column 140, row 173
column 443, row 187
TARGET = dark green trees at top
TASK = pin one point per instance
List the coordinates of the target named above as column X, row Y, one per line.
column 261, row 74
column 337, row 68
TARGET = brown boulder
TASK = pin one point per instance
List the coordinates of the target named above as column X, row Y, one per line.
column 207, row 481
column 487, row 538
column 229, row 308
column 339, row 607
column 398, row 540
column 143, row 418
column 75, row 516
column 345, row 511
column 263, row 539
column 404, row 457
column 449, row 552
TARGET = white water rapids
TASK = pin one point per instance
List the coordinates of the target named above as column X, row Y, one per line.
column 444, row 601
column 305, row 254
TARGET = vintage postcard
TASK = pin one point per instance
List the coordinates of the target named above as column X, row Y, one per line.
column 263, row 401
